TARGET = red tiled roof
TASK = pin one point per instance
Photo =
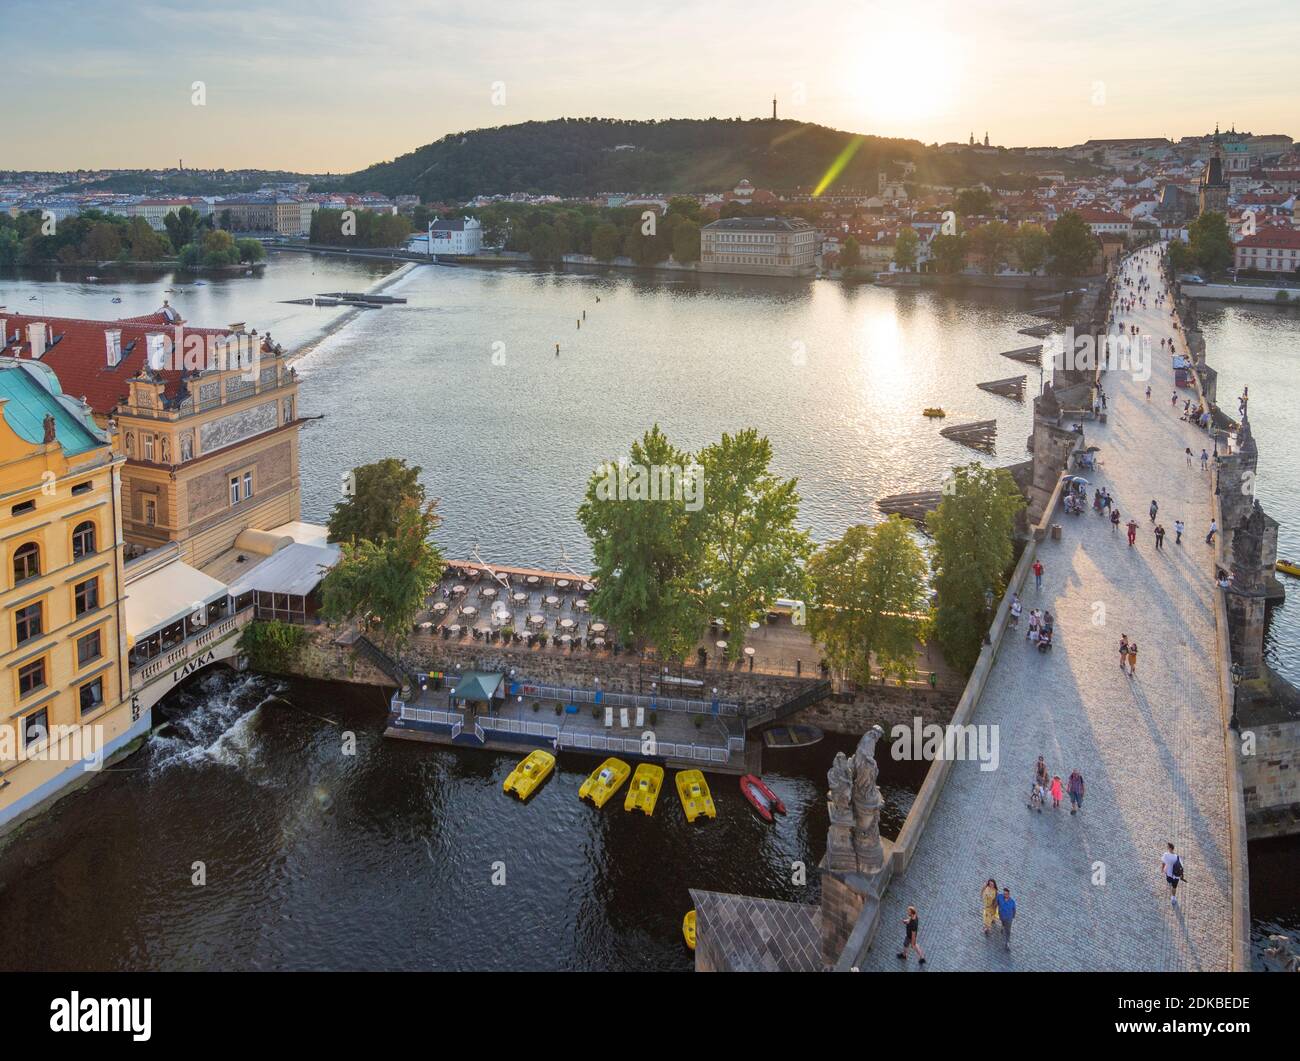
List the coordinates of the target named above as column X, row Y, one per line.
column 79, row 352
column 1274, row 238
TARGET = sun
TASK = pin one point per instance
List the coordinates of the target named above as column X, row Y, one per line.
column 902, row 77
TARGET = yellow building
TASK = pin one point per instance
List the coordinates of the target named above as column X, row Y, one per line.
column 65, row 703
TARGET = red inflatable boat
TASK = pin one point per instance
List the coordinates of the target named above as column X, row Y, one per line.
column 765, row 801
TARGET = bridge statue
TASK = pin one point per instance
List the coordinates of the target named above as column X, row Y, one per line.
column 853, row 804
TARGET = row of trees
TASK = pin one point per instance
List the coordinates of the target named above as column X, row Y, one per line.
column 95, row 236
column 666, row 565
column 359, row 228
column 1068, row 250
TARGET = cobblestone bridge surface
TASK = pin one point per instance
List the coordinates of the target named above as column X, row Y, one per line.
column 1150, row 747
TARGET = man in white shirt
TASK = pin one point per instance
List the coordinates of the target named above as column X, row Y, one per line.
column 1172, row 866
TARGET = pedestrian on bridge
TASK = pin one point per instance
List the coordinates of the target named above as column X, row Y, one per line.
column 1123, row 653
column 1178, row 532
column 1153, row 509
column 1038, row 574
column 989, row 904
column 912, row 925
column 1114, row 521
column 1132, row 659
column 1160, row 537
column 1214, row 529
column 1006, row 914
column 1132, row 532
column 1075, row 788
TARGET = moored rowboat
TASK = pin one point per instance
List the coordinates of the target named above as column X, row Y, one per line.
column 765, row 801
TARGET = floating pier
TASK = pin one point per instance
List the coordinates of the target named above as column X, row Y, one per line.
column 1011, row 387
column 356, row 296
column 1030, row 355
column 981, row 434
column 1037, row 331
column 914, row 506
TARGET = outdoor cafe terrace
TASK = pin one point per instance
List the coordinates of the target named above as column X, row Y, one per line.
column 531, row 610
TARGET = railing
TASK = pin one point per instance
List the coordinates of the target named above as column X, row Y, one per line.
column 650, row 703
column 427, row 715
column 191, row 646
column 635, row 746
column 382, row 660
column 807, row 698
column 521, row 727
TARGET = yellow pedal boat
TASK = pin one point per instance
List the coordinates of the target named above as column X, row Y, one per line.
column 525, row 778
column 643, row 792
column 693, row 791
column 604, row 781
column 1288, row 567
column 688, row 928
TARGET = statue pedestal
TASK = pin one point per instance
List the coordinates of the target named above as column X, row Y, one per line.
column 851, row 903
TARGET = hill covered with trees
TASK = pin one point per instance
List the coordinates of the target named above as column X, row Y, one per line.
column 582, row 156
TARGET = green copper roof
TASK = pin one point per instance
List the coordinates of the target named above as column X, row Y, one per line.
column 30, row 393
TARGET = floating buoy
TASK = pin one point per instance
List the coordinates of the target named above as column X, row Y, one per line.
column 933, row 413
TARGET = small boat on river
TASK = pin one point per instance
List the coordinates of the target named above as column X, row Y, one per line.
column 688, row 928
column 604, row 781
column 528, row 776
column 643, row 792
column 693, row 791
column 765, row 801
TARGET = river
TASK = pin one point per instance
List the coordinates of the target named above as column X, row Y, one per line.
column 316, row 860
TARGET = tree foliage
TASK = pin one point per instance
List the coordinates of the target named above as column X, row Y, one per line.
column 870, row 599
column 1071, row 246
column 387, row 581
column 907, row 246
column 375, row 494
column 972, row 530
column 1031, row 244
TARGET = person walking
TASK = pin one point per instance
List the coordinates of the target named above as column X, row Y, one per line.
column 1178, row 532
column 1172, row 867
column 912, row 925
column 1123, row 653
column 1160, row 537
column 1038, row 574
column 1132, row 526
column 1057, row 792
column 1114, row 521
column 1153, row 509
column 1205, row 460
column 1132, row 659
column 1006, row 914
column 1075, row 788
column 1187, row 456
column 1214, row 529
column 989, row 904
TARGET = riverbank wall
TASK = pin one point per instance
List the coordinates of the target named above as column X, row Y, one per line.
column 1275, row 296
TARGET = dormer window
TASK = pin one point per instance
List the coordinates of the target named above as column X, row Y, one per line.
column 113, row 347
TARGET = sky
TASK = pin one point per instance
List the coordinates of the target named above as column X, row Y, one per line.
column 332, row 86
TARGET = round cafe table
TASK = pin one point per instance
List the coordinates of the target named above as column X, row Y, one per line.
column 455, row 629
column 533, row 580
column 520, row 598
column 581, row 605
column 598, row 628
column 753, row 624
column 566, row 624
column 566, row 640
column 561, row 583
column 598, row 642
column 458, row 591
column 722, row 645
column 425, row 627
column 469, row 611
column 749, row 650
column 488, row 591
column 440, row 607
column 537, row 620
column 552, row 600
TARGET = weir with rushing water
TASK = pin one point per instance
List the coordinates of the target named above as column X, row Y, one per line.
column 315, row 860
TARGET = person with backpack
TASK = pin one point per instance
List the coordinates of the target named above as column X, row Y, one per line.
column 1038, row 574
column 1172, row 866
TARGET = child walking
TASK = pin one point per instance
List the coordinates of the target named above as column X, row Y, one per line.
column 1056, row 792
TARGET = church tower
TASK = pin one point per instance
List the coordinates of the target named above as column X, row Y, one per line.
column 1213, row 193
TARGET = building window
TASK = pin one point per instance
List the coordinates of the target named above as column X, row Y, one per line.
column 150, row 511
column 82, row 488
column 89, row 648
column 31, row 677
column 248, row 485
column 148, row 447
column 86, row 596
column 23, row 507
column 91, row 696
column 36, row 727
column 27, row 623
column 83, row 540
column 27, row 562
column 234, row 490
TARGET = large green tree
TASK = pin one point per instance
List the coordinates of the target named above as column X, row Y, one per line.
column 870, row 599
column 387, row 581
column 373, row 498
column 993, row 243
column 686, row 241
column 949, row 252
column 1071, row 247
column 972, row 530
column 1030, row 248
column 752, row 551
column 1210, row 243
column 646, row 548
column 907, row 247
